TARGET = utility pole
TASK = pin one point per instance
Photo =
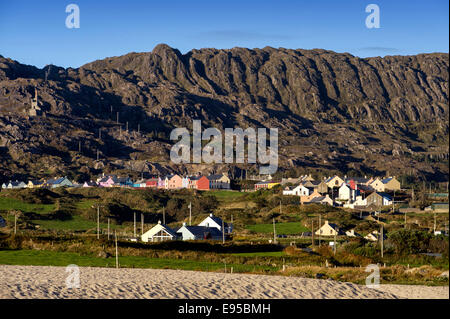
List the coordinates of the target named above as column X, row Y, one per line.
column 320, row 225
column 405, row 220
column 98, row 222
column 382, row 241
column 15, row 223
column 117, row 250
column 190, row 213
column 134, row 219
column 117, row 118
column 139, row 127
column 223, row 232
column 79, row 146
column 274, row 232
column 108, row 229
column 312, row 233
column 434, row 227
column 164, row 216
column 142, row 224
column 127, row 126
column 97, row 154
column 100, row 133
column 334, row 246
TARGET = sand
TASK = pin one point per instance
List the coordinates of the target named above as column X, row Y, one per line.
column 105, row 283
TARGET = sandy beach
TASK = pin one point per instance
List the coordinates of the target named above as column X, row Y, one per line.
column 105, row 283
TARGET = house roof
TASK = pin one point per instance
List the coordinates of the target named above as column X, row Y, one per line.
column 36, row 182
column 217, row 220
column 358, row 180
column 55, row 181
column 317, row 199
column 157, row 228
column 386, row 180
column 200, row 231
column 214, row 177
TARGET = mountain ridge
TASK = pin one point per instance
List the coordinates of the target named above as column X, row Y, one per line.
column 357, row 110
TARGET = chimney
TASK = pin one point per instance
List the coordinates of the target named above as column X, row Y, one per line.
column 184, row 224
column 211, row 215
column 159, row 222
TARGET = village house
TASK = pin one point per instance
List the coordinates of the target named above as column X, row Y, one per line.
column 58, row 182
column 299, row 190
column 199, row 233
column 199, row 182
column 35, row 183
column 307, row 198
column 378, row 199
column 216, row 222
column 328, row 229
column 324, row 200
column 265, row 185
column 14, row 185
column 151, row 182
column 345, row 192
column 90, row 184
column 219, row 181
column 359, row 202
column 391, row 184
column 352, row 233
column 320, row 186
column 158, row 233
column 374, row 236
column 173, row 182
column 334, row 182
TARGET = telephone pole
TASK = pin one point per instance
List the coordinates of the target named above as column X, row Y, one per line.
column 382, row 241
column 274, row 232
column 117, row 250
column 142, row 224
column 108, row 228
column 190, row 213
column 223, row 232
column 98, row 222
column 134, row 223
column 320, row 225
column 312, row 233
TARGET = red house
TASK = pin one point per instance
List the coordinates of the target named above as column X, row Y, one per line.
column 153, row 182
column 199, row 182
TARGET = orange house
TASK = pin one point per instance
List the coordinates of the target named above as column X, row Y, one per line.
column 306, row 199
column 199, row 182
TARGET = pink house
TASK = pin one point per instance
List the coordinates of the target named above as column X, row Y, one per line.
column 161, row 182
column 173, row 182
column 107, row 181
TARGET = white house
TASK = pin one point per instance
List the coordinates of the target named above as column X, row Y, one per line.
column 216, row 222
column 199, row 233
column 328, row 229
column 158, row 233
column 345, row 192
column 352, row 233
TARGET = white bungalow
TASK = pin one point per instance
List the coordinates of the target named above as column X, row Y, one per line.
column 328, row 229
column 216, row 222
column 158, row 233
column 199, row 233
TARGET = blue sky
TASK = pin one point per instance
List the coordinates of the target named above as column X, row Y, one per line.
column 34, row 32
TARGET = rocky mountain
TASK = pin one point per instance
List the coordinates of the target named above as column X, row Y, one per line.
column 334, row 112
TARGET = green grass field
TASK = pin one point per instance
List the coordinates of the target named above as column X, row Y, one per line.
column 76, row 223
column 227, row 196
column 51, row 258
column 281, row 228
column 7, row 204
column 262, row 254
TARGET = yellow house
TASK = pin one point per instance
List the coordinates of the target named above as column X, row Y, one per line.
column 35, row 183
column 334, row 182
column 391, row 184
column 328, row 229
column 377, row 185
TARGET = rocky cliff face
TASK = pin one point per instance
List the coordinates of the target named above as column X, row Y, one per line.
column 334, row 112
